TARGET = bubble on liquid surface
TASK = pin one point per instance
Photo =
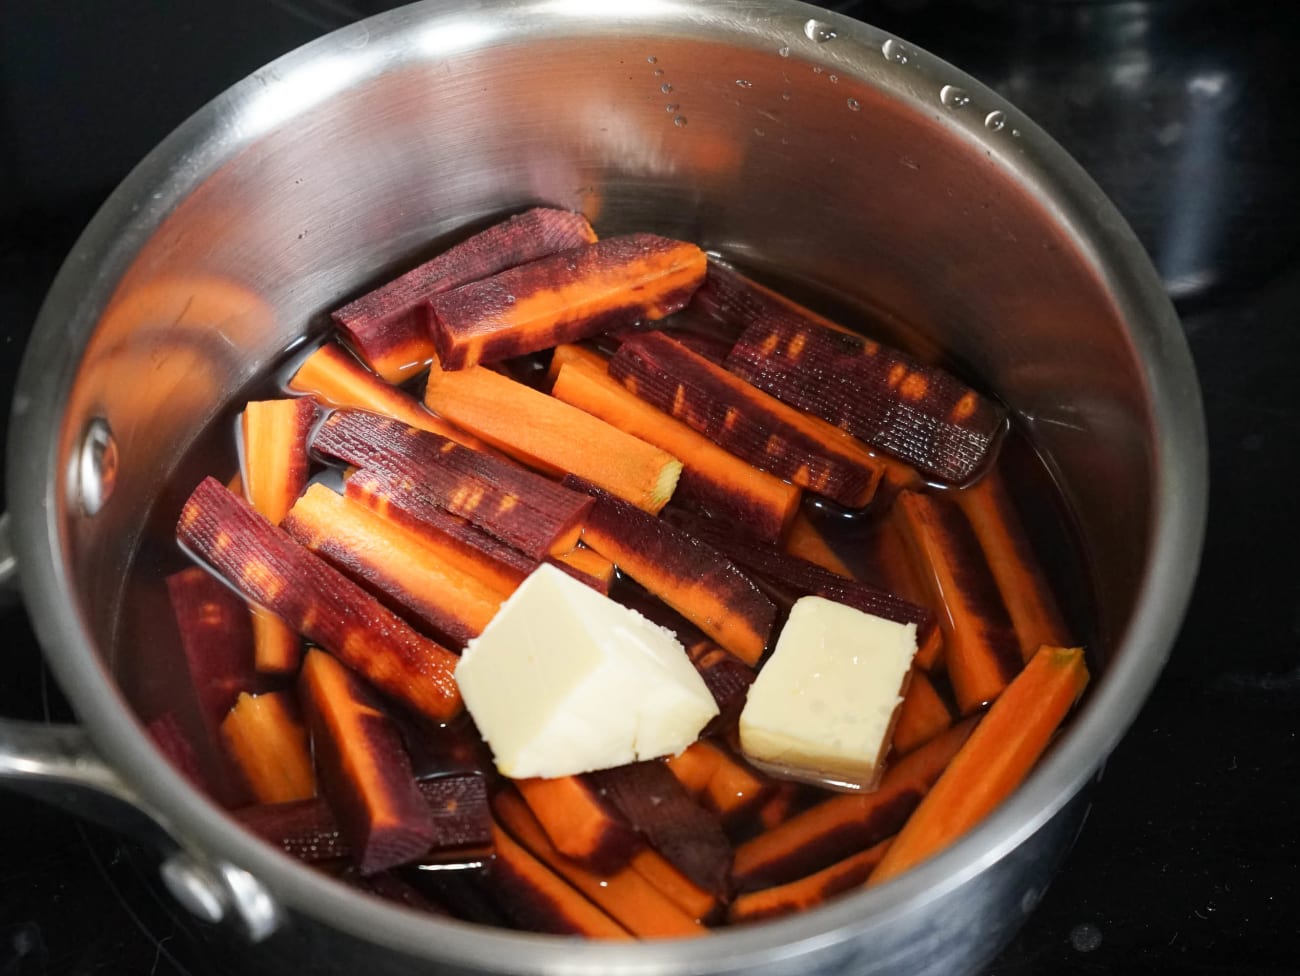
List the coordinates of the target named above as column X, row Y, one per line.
column 785, row 96
column 894, row 51
column 818, row 69
column 742, row 83
column 854, row 104
column 665, row 88
column 815, row 30
column 680, row 121
column 953, row 97
column 652, row 60
column 671, row 107
column 783, row 51
column 995, row 120
column 833, row 79
column 658, row 72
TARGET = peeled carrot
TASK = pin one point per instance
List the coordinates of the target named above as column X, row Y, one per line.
column 806, row 542
column 699, row 904
column 994, row 760
column 275, row 458
column 579, row 822
column 268, row 743
column 572, row 352
column 1015, row 566
column 921, row 717
column 624, row 894
column 755, row 501
column 557, row 438
column 445, row 599
column 843, row 824
column 336, row 379
column 719, row 781
column 810, row 891
column 982, row 651
column 535, row 897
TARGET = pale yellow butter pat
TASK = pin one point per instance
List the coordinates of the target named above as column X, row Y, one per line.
column 822, row 708
column 564, row 680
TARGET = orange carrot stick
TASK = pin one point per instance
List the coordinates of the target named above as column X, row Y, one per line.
column 334, row 378
column 837, row 827
column 994, row 760
column 697, row 903
column 624, row 894
column 803, row 540
column 728, row 787
column 536, row 898
column 445, row 599
column 275, row 458
column 557, row 437
column 365, row 772
column 810, row 891
column 711, row 477
column 579, row 822
column 983, row 654
column 268, row 743
column 1015, row 566
column 921, row 717
column 890, row 566
column 571, row 352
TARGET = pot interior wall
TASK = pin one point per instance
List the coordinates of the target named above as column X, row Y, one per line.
column 848, row 181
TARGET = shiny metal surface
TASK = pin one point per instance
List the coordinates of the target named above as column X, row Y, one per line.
column 790, row 139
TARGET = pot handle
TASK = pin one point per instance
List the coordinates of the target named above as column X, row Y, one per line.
column 60, row 765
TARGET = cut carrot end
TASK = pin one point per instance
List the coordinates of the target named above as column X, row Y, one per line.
column 268, row 743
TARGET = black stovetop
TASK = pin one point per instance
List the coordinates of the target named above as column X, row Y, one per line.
column 1185, row 113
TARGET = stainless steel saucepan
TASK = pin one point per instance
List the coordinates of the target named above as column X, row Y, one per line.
column 791, row 140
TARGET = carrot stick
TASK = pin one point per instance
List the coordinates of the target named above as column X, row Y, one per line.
column 624, row 894
column 557, row 438
column 572, row 352
column 692, row 578
column 728, row 787
column 587, row 565
column 365, row 773
column 275, row 459
column 599, row 287
column 806, row 542
column 921, row 717
column 579, row 822
column 697, row 903
column 837, row 827
column 994, row 760
column 746, row 421
column 536, row 898
column 334, row 378
column 266, row 566
column 376, row 553
column 755, row 501
column 982, row 651
column 520, row 507
column 389, row 326
column 890, row 566
column 401, row 502
column 268, row 743
column 810, row 891
column 1015, row 566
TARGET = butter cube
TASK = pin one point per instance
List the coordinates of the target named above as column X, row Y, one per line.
column 822, row 707
column 564, row 680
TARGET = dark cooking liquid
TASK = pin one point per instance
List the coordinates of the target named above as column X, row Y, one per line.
column 152, row 671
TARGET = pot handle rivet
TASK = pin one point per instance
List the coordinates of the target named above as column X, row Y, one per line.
column 95, row 472
column 191, row 884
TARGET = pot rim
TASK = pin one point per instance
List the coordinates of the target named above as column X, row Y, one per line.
column 274, row 94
